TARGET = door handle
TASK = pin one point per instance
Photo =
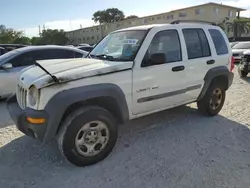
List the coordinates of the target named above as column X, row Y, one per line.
column 210, row 62
column 178, row 68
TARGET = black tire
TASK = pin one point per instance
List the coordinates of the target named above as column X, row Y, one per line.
column 204, row 104
column 70, row 128
column 242, row 74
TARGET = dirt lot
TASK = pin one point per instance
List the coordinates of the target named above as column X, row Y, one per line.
column 175, row 148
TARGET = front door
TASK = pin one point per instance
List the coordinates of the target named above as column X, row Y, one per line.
column 160, row 85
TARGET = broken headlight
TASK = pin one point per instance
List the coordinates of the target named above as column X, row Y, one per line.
column 33, row 95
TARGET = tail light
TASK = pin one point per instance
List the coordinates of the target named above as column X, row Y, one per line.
column 232, row 64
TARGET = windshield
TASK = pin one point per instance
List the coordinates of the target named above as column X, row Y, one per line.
column 7, row 55
column 242, row 46
column 119, row 46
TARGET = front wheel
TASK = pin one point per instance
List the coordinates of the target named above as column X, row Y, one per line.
column 213, row 101
column 87, row 135
column 242, row 74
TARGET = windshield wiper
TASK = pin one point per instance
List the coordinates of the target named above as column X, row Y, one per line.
column 52, row 76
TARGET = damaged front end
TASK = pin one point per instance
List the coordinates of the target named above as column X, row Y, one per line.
column 245, row 62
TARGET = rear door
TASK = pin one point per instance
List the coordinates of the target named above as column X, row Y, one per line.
column 198, row 58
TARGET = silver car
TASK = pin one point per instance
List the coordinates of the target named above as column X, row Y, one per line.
column 238, row 50
column 14, row 61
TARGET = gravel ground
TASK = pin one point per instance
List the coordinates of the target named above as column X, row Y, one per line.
column 175, row 148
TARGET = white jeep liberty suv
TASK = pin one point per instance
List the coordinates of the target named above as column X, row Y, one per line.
column 130, row 73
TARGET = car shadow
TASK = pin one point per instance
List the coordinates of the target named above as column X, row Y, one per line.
column 246, row 79
column 5, row 119
column 173, row 148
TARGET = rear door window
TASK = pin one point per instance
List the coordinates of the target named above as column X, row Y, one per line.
column 60, row 54
column 196, row 43
column 219, row 42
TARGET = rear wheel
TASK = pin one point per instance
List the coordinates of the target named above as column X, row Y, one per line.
column 87, row 135
column 213, row 101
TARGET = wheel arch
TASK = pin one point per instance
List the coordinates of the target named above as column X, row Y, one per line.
column 108, row 96
column 219, row 74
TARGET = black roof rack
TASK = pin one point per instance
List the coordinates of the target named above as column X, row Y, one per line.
column 196, row 21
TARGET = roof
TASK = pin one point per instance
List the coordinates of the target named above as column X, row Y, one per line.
column 141, row 27
column 31, row 48
column 185, row 24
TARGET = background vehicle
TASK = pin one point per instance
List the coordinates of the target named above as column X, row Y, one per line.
column 2, row 51
column 13, row 62
column 232, row 44
column 9, row 47
column 86, row 48
column 152, row 68
column 238, row 50
column 85, row 44
column 244, row 66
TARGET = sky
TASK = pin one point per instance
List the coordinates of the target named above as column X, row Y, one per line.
column 27, row 15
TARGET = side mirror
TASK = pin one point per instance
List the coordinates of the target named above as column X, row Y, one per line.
column 7, row 66
column 157, row 59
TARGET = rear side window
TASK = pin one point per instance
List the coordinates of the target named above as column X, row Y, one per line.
column 78, row 55
column 60, row 54
column 219, row 42
column 196, row 43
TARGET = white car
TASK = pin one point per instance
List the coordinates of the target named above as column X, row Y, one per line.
column 81, row 102
column 238, row 50
column 13, row 62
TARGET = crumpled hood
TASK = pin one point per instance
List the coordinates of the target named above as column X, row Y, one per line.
column 69, row 69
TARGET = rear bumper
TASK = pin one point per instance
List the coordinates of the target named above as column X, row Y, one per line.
column 19, row 116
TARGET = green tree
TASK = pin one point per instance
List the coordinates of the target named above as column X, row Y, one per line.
column 108, row 16
column 239, row 26
column 35, row 40
column 131, row 17
column 9, row 35
column 22, row 40
column 51, row 36
column 223, row 24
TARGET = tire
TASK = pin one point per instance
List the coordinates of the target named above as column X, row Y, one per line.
column 242, row 74
column 85, row 125
column 205, row 106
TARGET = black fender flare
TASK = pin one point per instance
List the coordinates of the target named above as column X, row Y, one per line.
column 59, row 103
column 213, row 73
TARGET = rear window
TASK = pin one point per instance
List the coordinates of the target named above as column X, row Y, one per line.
column 219, row 42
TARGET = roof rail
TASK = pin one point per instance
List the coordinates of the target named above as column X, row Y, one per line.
column 196, row 21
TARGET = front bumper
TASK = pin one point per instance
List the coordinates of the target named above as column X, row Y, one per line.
column 245, row 66
column 19, row 116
